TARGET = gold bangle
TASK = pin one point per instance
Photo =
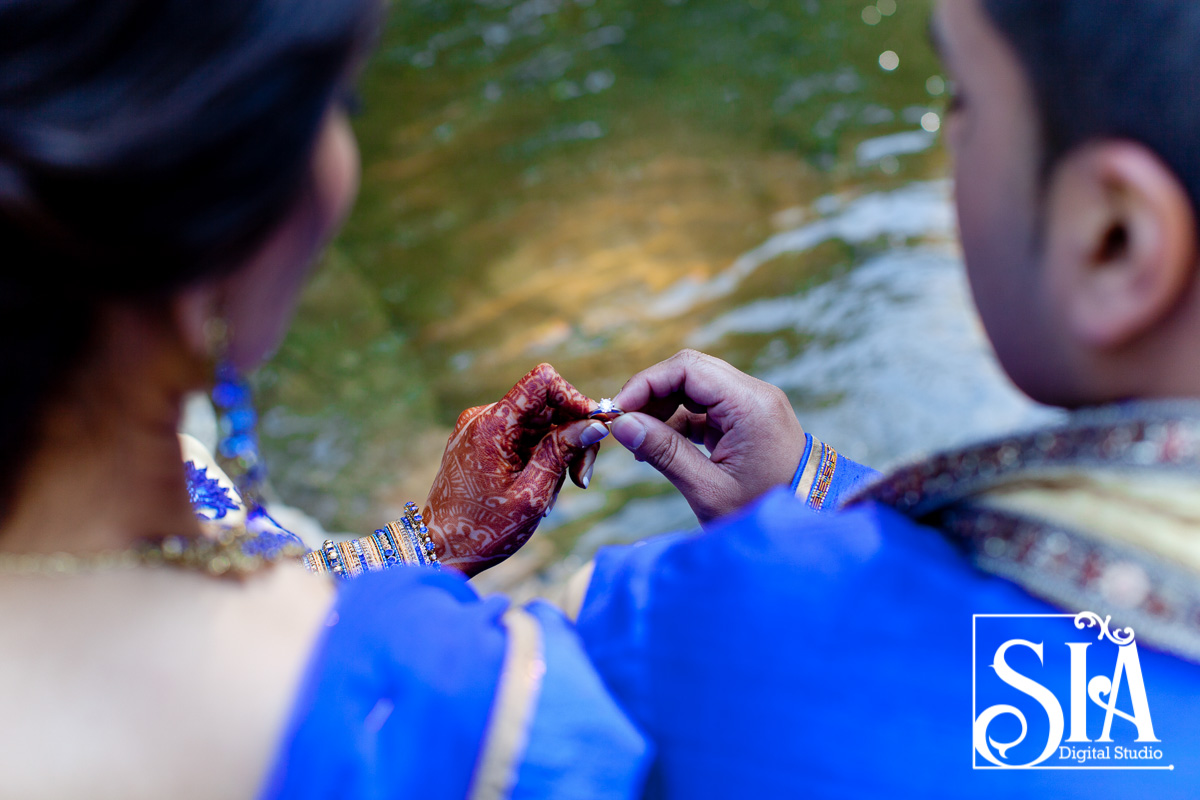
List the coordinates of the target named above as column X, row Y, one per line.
column 354, row 557
column 374, row 555
column 349, row 559
column 400, row 537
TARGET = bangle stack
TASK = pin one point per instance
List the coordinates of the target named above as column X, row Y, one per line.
column 403, row 541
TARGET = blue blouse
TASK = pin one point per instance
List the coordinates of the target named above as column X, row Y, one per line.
column 419, row 688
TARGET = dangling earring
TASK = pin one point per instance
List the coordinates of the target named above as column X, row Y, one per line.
column 237, row 426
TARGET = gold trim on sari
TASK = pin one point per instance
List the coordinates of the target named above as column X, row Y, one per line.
column 817, row 475
column 511, row 717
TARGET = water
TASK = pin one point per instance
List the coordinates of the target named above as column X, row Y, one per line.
column 598, row 183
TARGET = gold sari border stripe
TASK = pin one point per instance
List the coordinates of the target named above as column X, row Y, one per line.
column 511, row 717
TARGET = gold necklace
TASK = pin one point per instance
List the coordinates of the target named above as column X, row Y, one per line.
column 225, row 555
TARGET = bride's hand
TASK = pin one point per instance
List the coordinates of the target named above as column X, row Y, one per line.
column 504, row 466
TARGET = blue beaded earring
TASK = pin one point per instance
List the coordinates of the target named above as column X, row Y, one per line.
column 238, row 448
column 238, row 427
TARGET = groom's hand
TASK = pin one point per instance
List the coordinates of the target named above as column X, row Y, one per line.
column 748, row 427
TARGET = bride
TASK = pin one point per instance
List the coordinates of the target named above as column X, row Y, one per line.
column 168, row 172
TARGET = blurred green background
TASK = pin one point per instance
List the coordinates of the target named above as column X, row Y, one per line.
column 598, row 183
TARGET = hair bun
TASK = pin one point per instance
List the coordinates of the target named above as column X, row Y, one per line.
column 144, row 145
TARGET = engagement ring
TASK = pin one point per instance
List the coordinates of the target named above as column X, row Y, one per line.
column 607, row 409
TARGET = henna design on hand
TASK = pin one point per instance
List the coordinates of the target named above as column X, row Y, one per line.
column 503, row 468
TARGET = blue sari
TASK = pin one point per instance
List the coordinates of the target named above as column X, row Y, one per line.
column 419, row 688
column 812, row 648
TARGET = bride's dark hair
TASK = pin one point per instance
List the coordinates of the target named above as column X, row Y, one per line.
column 145, row 144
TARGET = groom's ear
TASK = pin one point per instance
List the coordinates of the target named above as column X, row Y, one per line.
column 1120, row 244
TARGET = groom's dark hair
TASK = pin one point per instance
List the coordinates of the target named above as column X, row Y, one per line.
column 1111, row 69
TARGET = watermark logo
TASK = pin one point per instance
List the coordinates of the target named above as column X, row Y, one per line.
column 1060, row 691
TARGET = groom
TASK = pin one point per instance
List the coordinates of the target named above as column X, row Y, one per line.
column 1020, row 618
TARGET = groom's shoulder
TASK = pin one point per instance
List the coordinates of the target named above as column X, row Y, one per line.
column 777, row 550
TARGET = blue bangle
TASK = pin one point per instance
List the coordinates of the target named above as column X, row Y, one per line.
column 362, row 557
column 387, row 547
column 414, row 540
column 391, row 548
column 329, row 553
column 425, row 540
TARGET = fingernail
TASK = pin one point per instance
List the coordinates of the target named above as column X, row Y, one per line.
column 587, row 476
column 594, row 433
column 629, row 432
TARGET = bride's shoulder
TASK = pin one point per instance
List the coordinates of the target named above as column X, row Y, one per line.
column 148, row 678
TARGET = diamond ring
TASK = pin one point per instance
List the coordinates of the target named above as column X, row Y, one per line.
column 607, row 409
